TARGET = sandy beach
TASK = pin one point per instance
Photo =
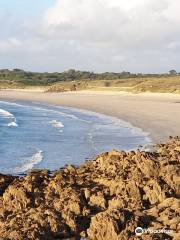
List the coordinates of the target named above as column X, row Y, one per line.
column 158, row 114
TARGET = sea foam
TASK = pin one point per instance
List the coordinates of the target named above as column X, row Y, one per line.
column 6, row 114
column 56, row 124
column 29, row 162
column 12, row 124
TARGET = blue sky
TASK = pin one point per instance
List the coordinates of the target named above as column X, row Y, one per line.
column 94, row 35
column 24, row 6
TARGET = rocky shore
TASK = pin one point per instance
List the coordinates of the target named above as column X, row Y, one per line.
column 104, row 199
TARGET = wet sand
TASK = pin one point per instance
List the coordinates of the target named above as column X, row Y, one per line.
column 158, row 114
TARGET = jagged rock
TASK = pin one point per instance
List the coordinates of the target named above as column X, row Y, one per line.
column 5, row 181
column 106, row 198
column 153, row 192
column 98, row 200
column 16, row 198
column 103, row 227
column 112, row 224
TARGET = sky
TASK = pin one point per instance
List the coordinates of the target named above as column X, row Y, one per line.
column 93, row 35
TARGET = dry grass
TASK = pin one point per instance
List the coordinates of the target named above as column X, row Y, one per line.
column 169, row 84
column 137, row 85
column 9, row 84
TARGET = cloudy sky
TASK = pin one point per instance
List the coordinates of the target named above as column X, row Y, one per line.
column 95, row 35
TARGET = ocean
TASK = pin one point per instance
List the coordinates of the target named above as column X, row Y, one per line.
column 37, row 135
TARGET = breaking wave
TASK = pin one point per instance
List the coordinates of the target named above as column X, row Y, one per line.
column 5, row 114
column 12, row 124
column 29, row 162
column 30, row 136
column 56, row 124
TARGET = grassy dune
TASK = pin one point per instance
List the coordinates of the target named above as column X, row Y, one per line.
column 138, row 85
column 162, row 84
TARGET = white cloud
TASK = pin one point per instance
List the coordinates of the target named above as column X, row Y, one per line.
column 117, row 22
column 100, row 35
column 9, row 44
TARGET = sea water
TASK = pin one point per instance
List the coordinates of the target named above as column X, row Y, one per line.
column 37, row 135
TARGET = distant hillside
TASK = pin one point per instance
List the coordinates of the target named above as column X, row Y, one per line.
column 83, row 80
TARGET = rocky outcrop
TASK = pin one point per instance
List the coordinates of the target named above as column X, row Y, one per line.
column 105, row 198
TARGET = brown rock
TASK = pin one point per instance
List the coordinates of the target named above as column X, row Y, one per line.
column 103, row 227
column 98, row 200
column 106, row 198
column 16, row 198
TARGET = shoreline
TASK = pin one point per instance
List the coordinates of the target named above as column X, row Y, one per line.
column 98, row 197
column 155, row 113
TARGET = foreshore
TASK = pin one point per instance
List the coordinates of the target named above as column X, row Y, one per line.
column 156, row 113
column 107, row 197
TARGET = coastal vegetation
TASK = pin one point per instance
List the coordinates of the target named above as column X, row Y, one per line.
column 84, row 80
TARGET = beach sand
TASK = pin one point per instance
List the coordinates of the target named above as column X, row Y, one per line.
column 156, row 113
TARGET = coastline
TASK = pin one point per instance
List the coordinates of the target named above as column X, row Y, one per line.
column 108, row 197
column 155, row 113
column 55, row 136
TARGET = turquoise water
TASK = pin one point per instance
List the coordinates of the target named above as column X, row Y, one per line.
column 36, row 135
